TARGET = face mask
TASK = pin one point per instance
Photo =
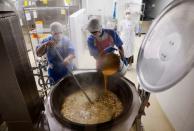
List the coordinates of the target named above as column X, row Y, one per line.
column 57, row 37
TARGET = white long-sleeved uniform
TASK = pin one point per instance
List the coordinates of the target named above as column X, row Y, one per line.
column 127, row 34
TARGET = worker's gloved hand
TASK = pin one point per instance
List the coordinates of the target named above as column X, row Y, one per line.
column 109, row 49
column 66, row 61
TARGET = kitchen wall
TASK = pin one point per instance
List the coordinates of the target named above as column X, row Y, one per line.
column 104, row 8
column 178, row 103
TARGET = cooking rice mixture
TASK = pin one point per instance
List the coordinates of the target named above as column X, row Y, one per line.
column 105, row 107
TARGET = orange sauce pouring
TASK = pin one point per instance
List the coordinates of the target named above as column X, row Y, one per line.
column 106, row 73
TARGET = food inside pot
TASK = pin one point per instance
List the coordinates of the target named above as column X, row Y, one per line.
column 106, row 106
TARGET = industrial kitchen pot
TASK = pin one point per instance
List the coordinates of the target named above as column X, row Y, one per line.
column 122, row 87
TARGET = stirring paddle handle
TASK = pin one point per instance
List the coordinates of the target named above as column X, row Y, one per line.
column 77, row 82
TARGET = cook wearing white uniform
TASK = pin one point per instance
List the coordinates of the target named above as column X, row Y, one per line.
column 126, row 30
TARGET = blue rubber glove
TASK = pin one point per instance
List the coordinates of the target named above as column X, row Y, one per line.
column 109, row 49
column 125, row 61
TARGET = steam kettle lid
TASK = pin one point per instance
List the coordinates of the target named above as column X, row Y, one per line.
column 167, row 52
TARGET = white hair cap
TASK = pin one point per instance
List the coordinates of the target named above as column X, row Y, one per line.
column 94, row 24
column 56, row 27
